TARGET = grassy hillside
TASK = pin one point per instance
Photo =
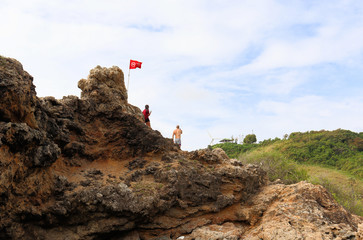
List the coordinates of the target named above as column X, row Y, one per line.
column 341, row 149
column 346, row 189
column 333, row 159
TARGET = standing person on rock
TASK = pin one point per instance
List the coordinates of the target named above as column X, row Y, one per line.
column 146, row 115
column 177, row 133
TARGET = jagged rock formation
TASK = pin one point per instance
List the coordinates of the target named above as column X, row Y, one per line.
column 89, row 168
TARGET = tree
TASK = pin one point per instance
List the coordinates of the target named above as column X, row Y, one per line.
column 250, row 138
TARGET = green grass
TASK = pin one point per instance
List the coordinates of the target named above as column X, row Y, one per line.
column 276, row 165
column 233, row 150
column 346, row 189
column 341, row 149
column 333, row 159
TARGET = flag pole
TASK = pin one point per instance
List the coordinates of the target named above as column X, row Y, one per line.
column 128, row 81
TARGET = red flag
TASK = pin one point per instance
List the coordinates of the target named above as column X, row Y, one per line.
column 135, row 64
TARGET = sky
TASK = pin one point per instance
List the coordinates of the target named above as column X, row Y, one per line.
column 217, row 68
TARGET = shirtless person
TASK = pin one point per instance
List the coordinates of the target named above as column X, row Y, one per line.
column 177, row 133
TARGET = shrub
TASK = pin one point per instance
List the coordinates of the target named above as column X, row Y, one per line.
column 233, row 150
column 250, row 138
column 276, row 166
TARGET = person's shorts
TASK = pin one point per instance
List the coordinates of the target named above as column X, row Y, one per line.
column 178, row 141
column 147, row 120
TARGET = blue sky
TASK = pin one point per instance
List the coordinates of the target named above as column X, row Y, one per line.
column 224, row 68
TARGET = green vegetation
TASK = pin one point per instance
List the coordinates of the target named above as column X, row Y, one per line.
column 348, row 191
column 276, row 165
column 233, row 150
column 306, row 156
column 273, row 162
column 341, row 149
column 250, row 138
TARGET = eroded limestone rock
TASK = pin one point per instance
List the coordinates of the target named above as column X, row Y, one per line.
column 89, row 168
column 106, row 88
column 18, row 96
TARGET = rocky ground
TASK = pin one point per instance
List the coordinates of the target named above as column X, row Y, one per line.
column 89, row 168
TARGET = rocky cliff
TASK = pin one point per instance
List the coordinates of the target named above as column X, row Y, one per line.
column 89, row 168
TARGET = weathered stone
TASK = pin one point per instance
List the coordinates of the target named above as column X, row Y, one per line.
column 360, row 232
column 106, row 88
column 89, row 168
column 214, row 156
column 227, row 231
column 18, row 96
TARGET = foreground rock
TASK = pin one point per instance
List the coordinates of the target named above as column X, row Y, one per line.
column 297, row 211
column 89, row 168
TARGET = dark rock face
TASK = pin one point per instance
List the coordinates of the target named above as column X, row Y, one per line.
column 89, row 168
column 17, row 93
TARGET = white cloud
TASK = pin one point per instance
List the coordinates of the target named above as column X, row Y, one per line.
column 314, row 112
column 207, row 65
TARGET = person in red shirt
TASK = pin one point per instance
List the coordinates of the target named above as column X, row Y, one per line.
column 147, row 113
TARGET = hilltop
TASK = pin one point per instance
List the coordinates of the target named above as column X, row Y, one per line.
column 89, row 168
column 341, row 149
column 333, row 159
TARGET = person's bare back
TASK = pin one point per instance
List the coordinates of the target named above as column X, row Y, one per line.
column 177, row 134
